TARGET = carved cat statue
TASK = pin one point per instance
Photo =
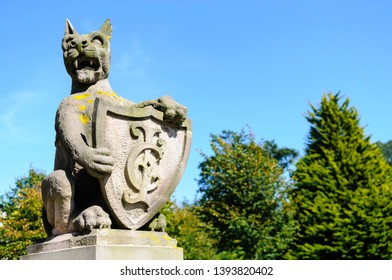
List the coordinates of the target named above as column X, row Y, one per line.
column 72, row 199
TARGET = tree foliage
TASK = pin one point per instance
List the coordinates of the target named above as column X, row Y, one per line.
column 243, row 199
column 343, row 191
column 21, row 222
column 386, row 150
column 191, row 233
column 285, row 156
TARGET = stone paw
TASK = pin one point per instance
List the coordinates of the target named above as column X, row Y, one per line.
column 92, row 218
column 158, row 223
column 173, row 112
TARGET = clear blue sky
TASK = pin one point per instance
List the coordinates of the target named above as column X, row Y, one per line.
column 232, row 63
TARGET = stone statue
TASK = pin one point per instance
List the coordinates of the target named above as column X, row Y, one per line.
column 116, row 162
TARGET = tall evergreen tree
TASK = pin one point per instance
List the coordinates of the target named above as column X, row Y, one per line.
column 343, row 194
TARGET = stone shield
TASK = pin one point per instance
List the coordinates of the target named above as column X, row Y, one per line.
column 149, row 154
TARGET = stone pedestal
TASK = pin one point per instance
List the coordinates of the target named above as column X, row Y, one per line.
column 107, row 244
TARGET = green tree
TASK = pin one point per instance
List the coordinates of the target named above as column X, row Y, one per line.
column 243, row 199
column 343, row 194
column 386, row 150
column 21, row 222
column 284, row 156
column 191, row 233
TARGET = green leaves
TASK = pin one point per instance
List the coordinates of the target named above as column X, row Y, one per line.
column 244, row 197
column 386, row 150
column 191, row 233
column 343, row 191
column 22, row 223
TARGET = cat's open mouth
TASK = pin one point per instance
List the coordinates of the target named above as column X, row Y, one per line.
column 84, row 63
column 87, row 70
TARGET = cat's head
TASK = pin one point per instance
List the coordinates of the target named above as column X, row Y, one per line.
column 87, row 57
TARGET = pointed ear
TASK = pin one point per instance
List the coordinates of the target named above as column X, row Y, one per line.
column 106, row 29
column 69, row 29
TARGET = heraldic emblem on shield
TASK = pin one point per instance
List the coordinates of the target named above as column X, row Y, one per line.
column 150, row 157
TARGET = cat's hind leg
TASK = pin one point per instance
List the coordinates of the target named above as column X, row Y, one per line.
column 58, row 200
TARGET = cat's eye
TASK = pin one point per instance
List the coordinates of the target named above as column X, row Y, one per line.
column 71, row 42
column 97, row 40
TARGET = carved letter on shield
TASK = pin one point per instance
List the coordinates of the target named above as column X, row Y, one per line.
column 150, row 157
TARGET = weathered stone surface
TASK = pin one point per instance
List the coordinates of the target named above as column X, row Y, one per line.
column 107, row 244
column 117, row 162
column 151, row 152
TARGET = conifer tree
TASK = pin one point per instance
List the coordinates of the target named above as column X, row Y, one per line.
column 343, row 194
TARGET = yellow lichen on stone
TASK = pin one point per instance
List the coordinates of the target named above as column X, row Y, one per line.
column 111, row 94
column 82, row 107
column 90, row 101
column 81, row 96
column 107, row 93
column 153, row 237
column 83, row 118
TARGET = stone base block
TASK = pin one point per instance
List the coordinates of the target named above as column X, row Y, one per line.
column 107, row 244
